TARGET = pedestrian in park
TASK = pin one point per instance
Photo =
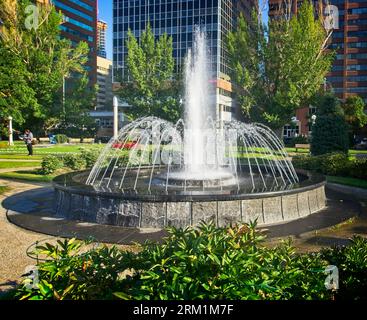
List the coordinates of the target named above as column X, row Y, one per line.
column 28, row 138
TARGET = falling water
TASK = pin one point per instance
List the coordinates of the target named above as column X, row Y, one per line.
column 198, row 107
column 193, row 154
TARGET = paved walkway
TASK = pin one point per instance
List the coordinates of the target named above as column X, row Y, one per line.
column 14, row 241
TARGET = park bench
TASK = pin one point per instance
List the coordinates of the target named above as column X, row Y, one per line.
column 44, row 140
column 302, row 146
column 88, row 140
column 74, row 140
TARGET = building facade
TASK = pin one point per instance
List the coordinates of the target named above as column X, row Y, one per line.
column 80, row 24
column 101, row 39
column 178, row 19
column 348, row 75
column 104, row 82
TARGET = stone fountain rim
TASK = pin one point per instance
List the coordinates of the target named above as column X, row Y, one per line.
column 316, row 180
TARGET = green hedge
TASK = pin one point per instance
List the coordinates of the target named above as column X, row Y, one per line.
column 50, row 164
column 197, row 263
column 83, row 160
column 334, row 164
column 61, row 138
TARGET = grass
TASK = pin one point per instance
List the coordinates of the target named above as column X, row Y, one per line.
column 12, row 164
column 33, row 176
column 19, row 157
column 353, row 182
column 54, row 149
column 4, row 189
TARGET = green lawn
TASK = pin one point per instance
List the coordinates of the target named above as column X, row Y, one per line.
column 353, row 182
column 3, row 189
column 26, row 176
column 54, row 149
column 19, row 157
column 12, row 164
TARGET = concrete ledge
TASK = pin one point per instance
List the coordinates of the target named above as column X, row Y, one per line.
column 268, row 210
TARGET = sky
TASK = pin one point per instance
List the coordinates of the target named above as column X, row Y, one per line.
column 105, row 13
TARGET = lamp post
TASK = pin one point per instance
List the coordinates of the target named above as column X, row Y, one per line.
column 11, row 141
column 313, row 118
column 115, row 117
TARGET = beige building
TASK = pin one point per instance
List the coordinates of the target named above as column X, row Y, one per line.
column 104, row 82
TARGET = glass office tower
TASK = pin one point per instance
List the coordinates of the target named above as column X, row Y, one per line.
column 178, row 19
column 80, row 24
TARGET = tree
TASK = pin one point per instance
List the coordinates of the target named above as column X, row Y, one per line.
column 355, row 115
column 277, row 69
column 33, row 61
column 151, row 87
column 79, row 101
column 330, row 131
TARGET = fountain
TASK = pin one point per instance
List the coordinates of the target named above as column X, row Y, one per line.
column 156, row 173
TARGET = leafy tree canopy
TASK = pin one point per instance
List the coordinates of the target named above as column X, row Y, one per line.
column 277, row 68
column 330, row 131
column 33, row 61
column 151, row 87
column 355, row 115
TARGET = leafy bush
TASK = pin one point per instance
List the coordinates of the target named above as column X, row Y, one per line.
column 352, row 264
column 202, row 263
column 70, row 274
column 61, row 138
column 358, row 169
column 329, row 164
column 90, row 156
column 50, row 164
column 330, row 132
column 74, row 161
column 334, row 164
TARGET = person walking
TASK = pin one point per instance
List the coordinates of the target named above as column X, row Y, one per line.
column 28, row 137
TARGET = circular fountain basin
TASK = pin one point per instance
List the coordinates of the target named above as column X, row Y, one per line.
column 155, row 208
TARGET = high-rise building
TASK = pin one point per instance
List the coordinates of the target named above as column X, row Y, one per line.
column 348, row 75
column 80, row 24
column 178, row 19
column 104, row 82
column 101, row 39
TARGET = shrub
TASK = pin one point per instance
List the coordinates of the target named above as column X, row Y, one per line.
column 358, row 169
column 334, row 164
column 330, row 132
column 329, row 164
column 61, row 138
column 202, row 263
column 90, row 156
column 50, row 164
column 352, row 264
column 74, row 161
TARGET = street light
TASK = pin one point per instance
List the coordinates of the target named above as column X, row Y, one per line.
column 313, row 118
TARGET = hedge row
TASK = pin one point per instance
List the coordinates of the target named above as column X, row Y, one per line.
column 83, row 160
column 196, row 264
column 334, row 164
